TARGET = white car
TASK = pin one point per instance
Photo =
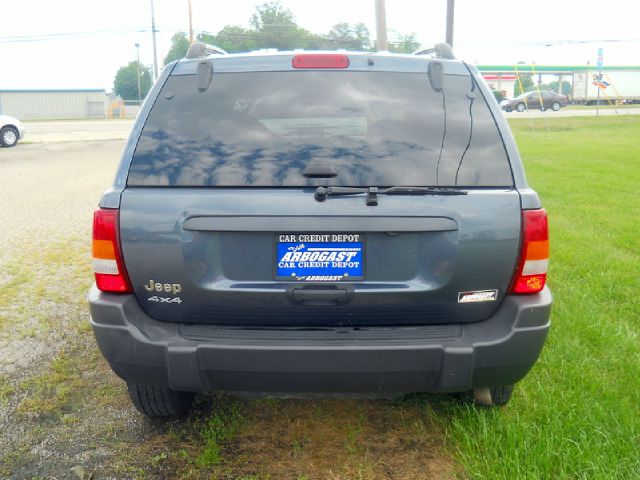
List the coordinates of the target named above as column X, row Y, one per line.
column 11, row 130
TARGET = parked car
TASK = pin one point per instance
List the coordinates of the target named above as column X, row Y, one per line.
column 543, row 100
column 319, row 223
column 11, row 130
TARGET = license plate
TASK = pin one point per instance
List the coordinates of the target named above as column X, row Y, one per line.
column 317, row 257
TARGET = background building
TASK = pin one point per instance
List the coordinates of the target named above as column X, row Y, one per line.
column 53, row 104
column 503, row 83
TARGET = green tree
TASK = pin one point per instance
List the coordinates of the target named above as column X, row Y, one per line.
column 527, row 84
column 275, row 27
column 343, row 35
column 524, row 82
column 272, row 15
column 179, row 47
column 126, row 82
column 232, row 38
column 404, row 43
column 566, row 87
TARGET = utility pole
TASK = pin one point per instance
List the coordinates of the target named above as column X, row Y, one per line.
column 449, row 34
column 600, row 62
column 138, row 56
column 381, row 26
column 153, row 36
column 190, row 24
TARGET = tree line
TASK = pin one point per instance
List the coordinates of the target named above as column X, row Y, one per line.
column 271, row 26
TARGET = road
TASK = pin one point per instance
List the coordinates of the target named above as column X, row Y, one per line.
column 77, row 130
column 573, row 112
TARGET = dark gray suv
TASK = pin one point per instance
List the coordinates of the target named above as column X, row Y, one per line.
column 332, row 223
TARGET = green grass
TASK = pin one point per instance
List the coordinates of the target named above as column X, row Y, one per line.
column 220, row 427
column 607, row 105
column 50, row 391
column 577, row 414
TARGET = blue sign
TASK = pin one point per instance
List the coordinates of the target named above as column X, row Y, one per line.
column 320, row 261
column 600, row 58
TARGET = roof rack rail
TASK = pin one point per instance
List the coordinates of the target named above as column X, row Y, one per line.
column 440, row 50
column 201, row 49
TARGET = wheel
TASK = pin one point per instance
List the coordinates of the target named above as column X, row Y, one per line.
column 496, row 396
column 8, row 136
column 555, row 106
column 521, row 107
column 154, row 401
column 508, row 109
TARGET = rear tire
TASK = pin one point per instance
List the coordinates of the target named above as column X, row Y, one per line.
column 521, row 107
column 496, row 396
column 8, row 137
column 555, row 106
column 154, row 401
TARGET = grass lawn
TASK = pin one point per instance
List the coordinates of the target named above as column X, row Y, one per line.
column 577, row 414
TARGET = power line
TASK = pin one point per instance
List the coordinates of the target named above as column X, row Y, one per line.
column 395, row 38
column 69, row 35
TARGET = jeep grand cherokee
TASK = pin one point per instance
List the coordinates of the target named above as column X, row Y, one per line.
column 319, row 222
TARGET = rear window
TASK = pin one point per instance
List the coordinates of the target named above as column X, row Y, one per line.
column 262, row 129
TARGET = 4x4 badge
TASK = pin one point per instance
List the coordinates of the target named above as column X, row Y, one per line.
column 478, row 296
column 157, row 299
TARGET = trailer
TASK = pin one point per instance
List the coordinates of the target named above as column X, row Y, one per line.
column 613, row 86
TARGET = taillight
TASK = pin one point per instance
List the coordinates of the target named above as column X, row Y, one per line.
column 320, row 60
column 108, row 267
column 534, row 254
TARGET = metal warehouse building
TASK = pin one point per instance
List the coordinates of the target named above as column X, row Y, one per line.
column 53, row 104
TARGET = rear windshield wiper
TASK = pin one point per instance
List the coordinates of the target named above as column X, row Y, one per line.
column 422, row 191
column 322, row 193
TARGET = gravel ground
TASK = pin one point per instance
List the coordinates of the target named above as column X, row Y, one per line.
column 48, row 192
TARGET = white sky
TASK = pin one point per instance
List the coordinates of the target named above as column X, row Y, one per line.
column 486, row 31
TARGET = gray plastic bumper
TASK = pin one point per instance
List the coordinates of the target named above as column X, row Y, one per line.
column 438, row 358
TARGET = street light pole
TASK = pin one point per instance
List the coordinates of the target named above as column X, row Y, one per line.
column 449, row 35
column 138, row 64
column 153, row 36
column 190, row 24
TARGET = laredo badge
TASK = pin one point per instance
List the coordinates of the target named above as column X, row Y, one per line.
column 478, row 296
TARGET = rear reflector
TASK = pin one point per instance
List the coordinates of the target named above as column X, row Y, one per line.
column 534, row 254
column 320, row 60
column 108, row 267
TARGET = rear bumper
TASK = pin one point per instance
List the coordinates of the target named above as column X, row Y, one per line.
column 438, row 358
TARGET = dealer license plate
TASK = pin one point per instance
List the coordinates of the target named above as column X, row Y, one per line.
column 320, row 257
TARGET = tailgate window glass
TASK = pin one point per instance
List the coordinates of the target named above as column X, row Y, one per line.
column 263, row 129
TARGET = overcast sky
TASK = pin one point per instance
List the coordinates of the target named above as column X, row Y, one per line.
column 49, row 53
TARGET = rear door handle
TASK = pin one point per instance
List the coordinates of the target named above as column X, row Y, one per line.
column 318, row 296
